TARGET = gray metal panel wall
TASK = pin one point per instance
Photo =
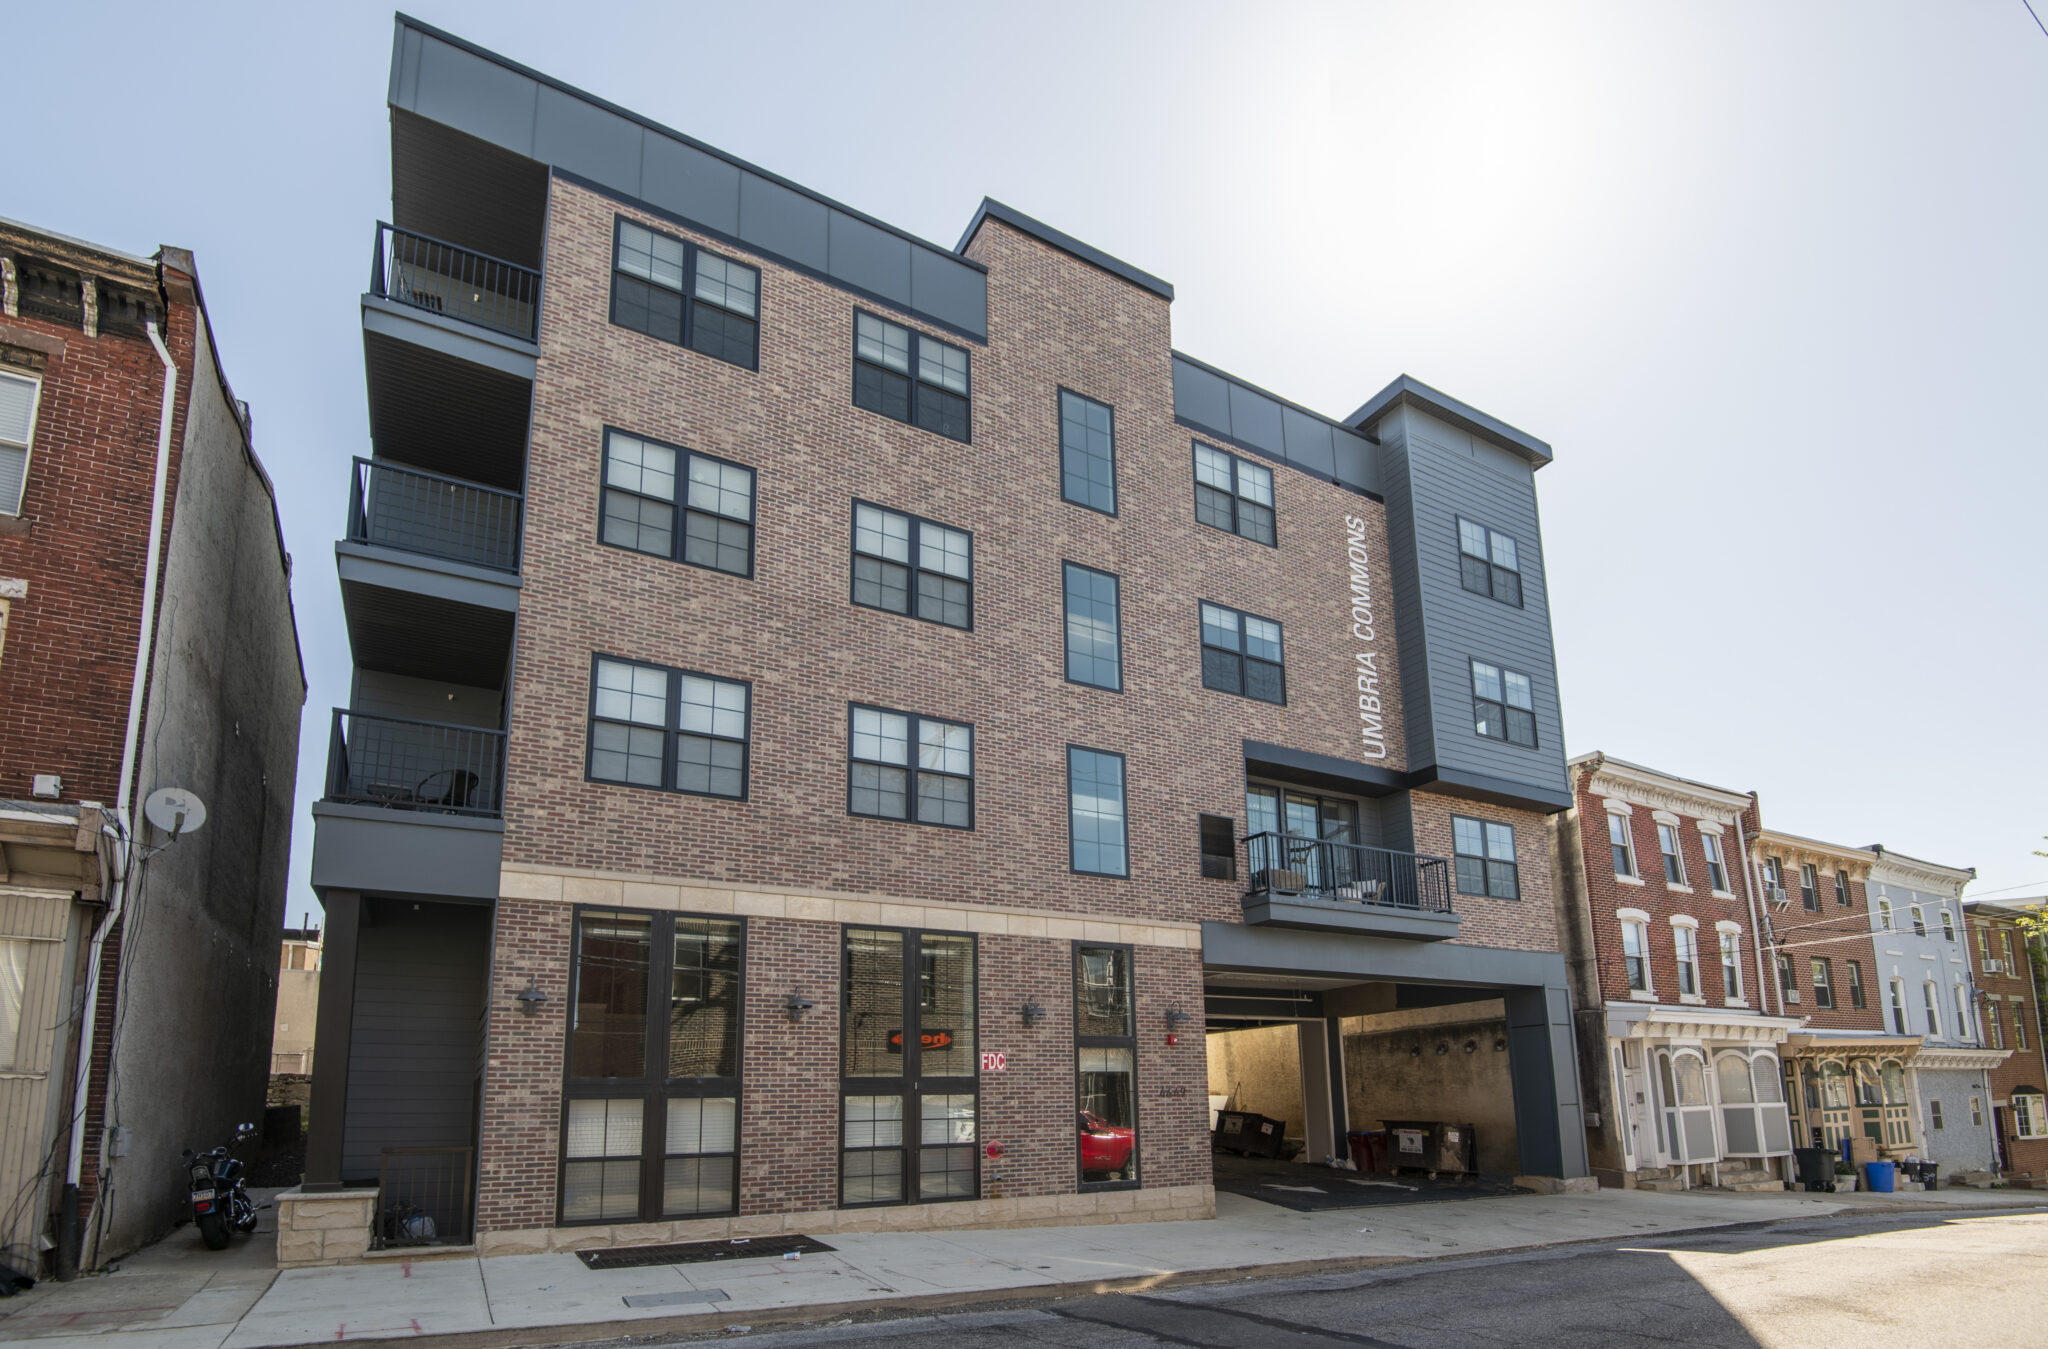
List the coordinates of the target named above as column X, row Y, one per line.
column 520, row 112
column 1410, row 631
column 1451, row 474
column 413, row 1047
column 1238, row 414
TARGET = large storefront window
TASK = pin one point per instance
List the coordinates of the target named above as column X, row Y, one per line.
column 1105, row 1065
column 909, row 1068
column 650, row 1119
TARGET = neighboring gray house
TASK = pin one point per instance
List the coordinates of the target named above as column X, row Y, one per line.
column 1923, row 977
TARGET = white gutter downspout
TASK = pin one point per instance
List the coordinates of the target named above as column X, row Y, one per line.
column 124, row 871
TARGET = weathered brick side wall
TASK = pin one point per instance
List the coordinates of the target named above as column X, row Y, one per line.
column 1838, row 933
column 808, row 651
column 2010, row 994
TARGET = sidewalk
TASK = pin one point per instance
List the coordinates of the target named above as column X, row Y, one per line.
column 177, row 1295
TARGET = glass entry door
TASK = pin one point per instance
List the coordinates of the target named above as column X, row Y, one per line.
column 909, row 1068
column 1312, row 819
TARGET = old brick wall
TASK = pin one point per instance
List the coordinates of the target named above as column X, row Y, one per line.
column 1837, row 933
column 2010, row 996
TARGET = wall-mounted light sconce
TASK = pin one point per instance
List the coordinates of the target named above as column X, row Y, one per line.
column 1175, row 1019
column 1471, row 1045
column 1414, row 1051
column 796, row 1004
column 1033, row 1013
column 1443, row 1046
column 530, row 997
column 1499, row 1045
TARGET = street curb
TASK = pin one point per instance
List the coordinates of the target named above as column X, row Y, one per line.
column 697, row 1323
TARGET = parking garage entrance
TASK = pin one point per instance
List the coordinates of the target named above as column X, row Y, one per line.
column 1330, row 1089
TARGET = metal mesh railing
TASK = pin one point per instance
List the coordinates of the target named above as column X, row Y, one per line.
column 423, row 1197
column 415, row 765
column 1285, row 864
column 461, row 283
column 430, row 513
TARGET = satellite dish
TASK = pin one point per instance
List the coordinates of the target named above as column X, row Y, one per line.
column 174, row 810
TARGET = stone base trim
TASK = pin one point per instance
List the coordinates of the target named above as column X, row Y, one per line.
column 1560, row 1184
column 327, row 1227
column 1180, row 1203
column 621, row 890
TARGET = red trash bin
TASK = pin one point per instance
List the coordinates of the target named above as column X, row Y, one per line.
column 1368, row 1149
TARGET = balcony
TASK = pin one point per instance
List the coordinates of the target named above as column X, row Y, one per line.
column 392, row 506
column 1347, row 887
column 415, row 765
column 457, row 283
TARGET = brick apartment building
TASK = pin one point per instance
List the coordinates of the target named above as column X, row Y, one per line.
column 837, row 721
column 1681, row 1047
column 146, row 641
column 2009, row 1011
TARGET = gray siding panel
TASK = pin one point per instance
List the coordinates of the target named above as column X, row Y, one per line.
column 871, row 259
column 948, row 291
column 587, row 141
column 1308, row 442
column 1410, row 622
column 784, row 222
column 1201, row 397
column 413, row 1059
column 1452, row 475
column 1255, row 420
column 1250, row 419
column 683, row 179
column 471, row 94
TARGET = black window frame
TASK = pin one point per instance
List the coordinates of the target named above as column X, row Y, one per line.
column 687, row 324
column 916, row 570
column 910, row 1085
column 1129, row 1042
column 1241, row 655
column 1236, row 495
column 914, row 393
column 911, row 771
column 1060, row 430
column 1503, row 707
column 1487, row 862
column 1073, row 852
column 671, row 730
column 1067, row 568
column 1218, row 838
column 1493, row 570
column 680, row 509
column 654, row 1089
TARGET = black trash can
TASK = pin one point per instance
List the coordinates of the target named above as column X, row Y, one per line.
column 1816, row 1169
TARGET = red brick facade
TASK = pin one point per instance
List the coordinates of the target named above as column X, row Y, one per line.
column 1836, row 933
column 2009, row 996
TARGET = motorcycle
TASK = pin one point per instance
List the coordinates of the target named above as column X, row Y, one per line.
column 221, row 1205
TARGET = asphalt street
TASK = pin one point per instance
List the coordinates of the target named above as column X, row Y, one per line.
column 1908, row 1279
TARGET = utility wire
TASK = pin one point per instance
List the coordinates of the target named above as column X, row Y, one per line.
column 2037, row 18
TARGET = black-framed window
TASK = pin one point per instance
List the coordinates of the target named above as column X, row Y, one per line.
column 1087, row 452
column 670, row 502
column 1219, row 847
column 1488, row 563
column 1097, row 829
column 903, row 374
column 1809, row 888
column 1503, row 704
column 670, row 288
column 1234, row 495
column 650, row 1115
column 1105, row 1066
column 673, row 730
column 1094, row 628
column 909, row 565
column 901, row 766
column 1243, row 654
column 1485, row 858
column 909, row 1068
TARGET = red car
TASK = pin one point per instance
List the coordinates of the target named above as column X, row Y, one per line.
column 1105, row 1147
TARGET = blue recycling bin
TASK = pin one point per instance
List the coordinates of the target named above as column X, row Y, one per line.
column 1882, row 1177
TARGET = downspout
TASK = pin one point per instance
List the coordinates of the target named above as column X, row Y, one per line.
column 68, row 1233
column 1759, row 920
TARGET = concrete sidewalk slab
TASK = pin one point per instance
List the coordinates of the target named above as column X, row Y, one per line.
column 554, row 1298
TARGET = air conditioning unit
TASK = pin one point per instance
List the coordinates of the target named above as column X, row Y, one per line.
column 1993, row 967
column 1791, row 994
column 1778, row 898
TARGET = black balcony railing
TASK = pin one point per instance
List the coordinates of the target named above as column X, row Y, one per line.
column 423, row 1197
column 400, row 507
column 415, row 765
column 475, row 287
column 1287, row 865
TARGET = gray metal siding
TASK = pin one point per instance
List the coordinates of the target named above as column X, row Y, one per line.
column 1235, row 413
column 520, row 112
column 1452, row 474
column 1410, row 622
column 415, row 1040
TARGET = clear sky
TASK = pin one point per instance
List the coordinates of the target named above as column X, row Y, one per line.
column 1772, row 279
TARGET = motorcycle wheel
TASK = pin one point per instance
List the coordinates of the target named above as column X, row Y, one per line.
column 213, row 1229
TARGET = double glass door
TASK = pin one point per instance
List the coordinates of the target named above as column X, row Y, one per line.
column 909, row 1068
column 1312, row 819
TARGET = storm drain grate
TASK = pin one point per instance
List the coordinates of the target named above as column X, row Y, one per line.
column 699, row 1252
